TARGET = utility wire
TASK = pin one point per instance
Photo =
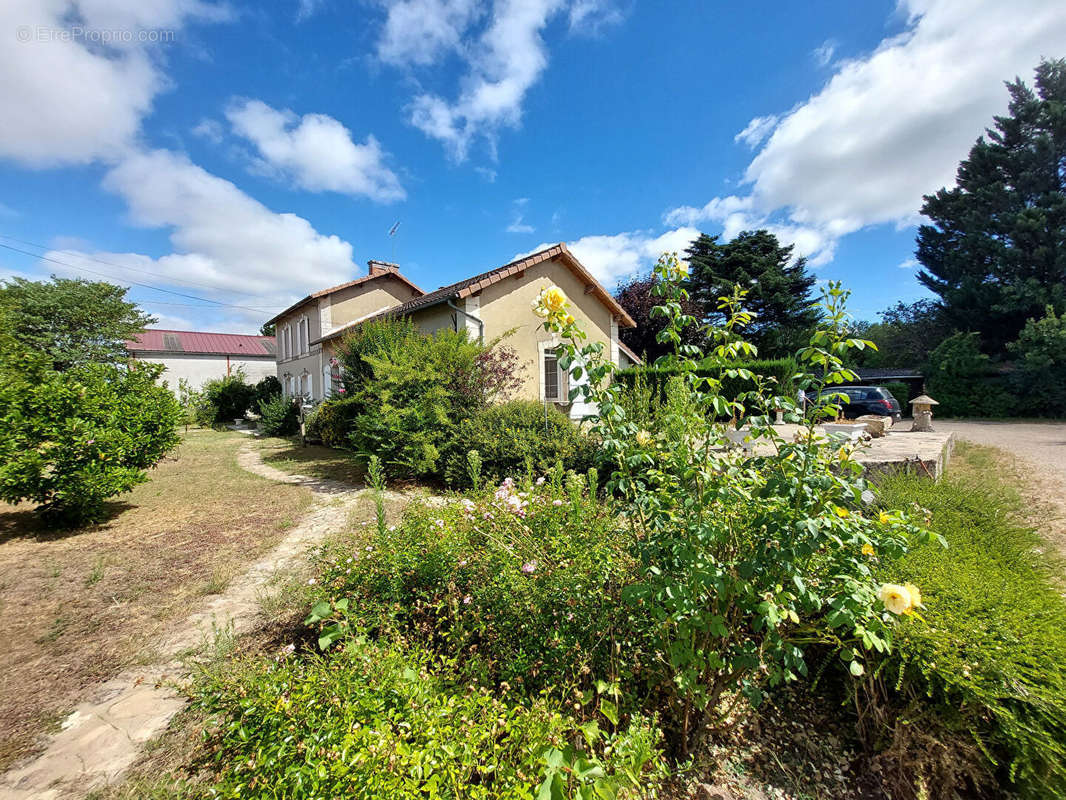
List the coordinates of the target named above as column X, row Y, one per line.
column 125, row 267
column 135, row 283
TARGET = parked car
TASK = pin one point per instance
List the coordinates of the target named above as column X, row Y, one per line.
column 867, row 400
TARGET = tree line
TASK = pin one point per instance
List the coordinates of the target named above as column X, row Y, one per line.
column 992, row 338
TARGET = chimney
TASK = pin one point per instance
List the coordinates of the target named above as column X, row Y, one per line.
column 381, row 267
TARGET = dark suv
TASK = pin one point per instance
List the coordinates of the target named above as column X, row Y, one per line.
column 867, row 400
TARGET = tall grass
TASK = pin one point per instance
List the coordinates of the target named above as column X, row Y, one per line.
column 987, row 665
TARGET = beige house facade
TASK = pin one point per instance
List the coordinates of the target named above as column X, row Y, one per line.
column 486, row 306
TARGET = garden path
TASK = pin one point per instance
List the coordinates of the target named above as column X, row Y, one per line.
column 105, row 734
column 1039, row 450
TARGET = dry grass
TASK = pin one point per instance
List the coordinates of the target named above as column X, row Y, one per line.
column 76, row 607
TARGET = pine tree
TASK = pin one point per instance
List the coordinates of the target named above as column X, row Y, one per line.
column 996, row 249
column 779, row 287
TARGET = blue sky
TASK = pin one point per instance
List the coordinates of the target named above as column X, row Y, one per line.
column 249, row 154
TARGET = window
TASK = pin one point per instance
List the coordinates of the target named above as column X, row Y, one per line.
column 305, row 384
column 555, row 389
column 288, row 385
column 286, row 341
column 302, row 334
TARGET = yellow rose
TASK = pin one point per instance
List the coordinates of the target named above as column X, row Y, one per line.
column 644, row 438
column 896, row 598
column 555, row 299
column 868, row 549
column 916, row 595
column 842, row 512
column 884, row 518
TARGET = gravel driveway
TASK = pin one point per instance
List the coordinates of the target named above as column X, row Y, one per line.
column 1040, row 449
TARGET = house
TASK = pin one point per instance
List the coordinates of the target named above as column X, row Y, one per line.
column 197, row 357
column 486, row 306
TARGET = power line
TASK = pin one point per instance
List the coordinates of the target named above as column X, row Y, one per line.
column 135, row 283
column 125, row 267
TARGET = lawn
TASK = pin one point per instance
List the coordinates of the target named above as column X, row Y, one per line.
column 78, row 606
column 313, row 460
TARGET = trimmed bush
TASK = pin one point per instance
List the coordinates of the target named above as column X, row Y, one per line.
column 279, row 416
column 1040, row 380
column 72, row 440
column 988, row 666
column 965, row 383
column 901, row 392
column 515, row 436
column 781, row 371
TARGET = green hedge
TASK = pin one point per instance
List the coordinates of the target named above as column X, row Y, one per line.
column 782, row 370
column 902, row 393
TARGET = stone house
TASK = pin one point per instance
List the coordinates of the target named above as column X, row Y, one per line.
column 485, row 306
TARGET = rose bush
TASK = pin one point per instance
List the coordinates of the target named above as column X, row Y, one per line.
column 746, row 559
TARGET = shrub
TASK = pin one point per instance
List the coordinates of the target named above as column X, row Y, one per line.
column 74, row 439
column 223, row 400
column 1040, row 380
column 902, row 393
column 515, row 436
column 964, row 382
column 279, row 416
column 382, row 721
column 413, row 390
column 528, row 579
column 331, row 422
column 745, row 559
column 989, row 668
column 266, row 389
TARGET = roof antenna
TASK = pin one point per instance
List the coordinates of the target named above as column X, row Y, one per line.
column 392, row 235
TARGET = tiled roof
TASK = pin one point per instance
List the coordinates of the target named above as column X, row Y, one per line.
column 885, row 373
column 158, row 340
column 394, row 273
column 629, row 352
column 470, row 286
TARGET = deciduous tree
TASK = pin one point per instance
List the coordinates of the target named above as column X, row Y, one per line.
column 73, row 322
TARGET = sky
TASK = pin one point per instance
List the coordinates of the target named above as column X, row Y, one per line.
column 224, row 158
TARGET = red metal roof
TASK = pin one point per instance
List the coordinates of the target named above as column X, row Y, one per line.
column 158, row 340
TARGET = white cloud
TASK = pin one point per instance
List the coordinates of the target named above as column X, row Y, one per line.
column 315, row 151
column 892, row 126
column 210, row 130
column 611, row 258
column 518, row 224
column 222, row 238
column 591, row 17
column 422, row 31
column 757, row 130
column 909, row 263
column 503, row 51
column 823, row 54
column 72, row 101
